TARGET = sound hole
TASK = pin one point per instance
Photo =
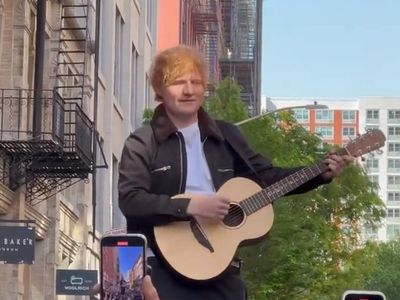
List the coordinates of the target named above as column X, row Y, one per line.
column 235, row 216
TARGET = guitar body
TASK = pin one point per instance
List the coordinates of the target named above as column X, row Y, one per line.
column 188, row 257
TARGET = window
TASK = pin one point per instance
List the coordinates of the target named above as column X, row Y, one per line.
column 349, row 132
column 348, row 116
column 372, row 115
column 372, row 164
column 394, row 197
column 118, row 220
column 394, row 115
column 394, row 180
column 323, row 115
column 134, row 86
column 31, row 45
column 393, row 165
column 373, row 178
column 394, row 148
column 392, row 231
column 148, row 91
column 119, row 28
column 369, row 232
column 102, row 206
column 149, row 14
column 104, row 52
column 368, row 229
column 394, row 131
column 393, row 213
column 301, row 115
column 324, row 132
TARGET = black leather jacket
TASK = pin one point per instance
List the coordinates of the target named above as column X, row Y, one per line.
column 153, row 169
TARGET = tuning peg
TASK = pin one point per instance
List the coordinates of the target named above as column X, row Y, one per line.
column 379, row 151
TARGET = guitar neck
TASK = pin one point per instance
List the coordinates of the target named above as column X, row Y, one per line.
column 284, row 186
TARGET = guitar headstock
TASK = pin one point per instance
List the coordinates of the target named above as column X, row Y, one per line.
column 371, row 140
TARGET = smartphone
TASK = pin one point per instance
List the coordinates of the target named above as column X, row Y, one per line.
column 122, row 266
column 363, row 295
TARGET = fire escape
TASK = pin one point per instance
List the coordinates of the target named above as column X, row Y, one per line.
column 62, row 154
column 206, row 22
column 240, row 59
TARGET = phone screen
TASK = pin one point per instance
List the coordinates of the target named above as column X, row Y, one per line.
column 122, row 267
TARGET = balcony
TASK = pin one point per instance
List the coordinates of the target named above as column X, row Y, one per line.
column 62, row 150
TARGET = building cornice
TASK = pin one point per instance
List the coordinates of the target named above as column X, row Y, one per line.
column 68, row 246
column 6, row 197
column 42, row 223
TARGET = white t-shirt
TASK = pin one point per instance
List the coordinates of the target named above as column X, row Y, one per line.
column 198, row 179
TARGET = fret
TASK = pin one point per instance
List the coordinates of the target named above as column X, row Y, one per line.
column 245, row 207
column 252, row 203
column 256, row 203
column 260, row 200
column 252, row 207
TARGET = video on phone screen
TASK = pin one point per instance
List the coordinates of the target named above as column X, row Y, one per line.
column 122, row 272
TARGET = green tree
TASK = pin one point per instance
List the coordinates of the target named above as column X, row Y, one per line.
column 225, row 103
column 310, row 252
column 147, row 115
column 386, row 272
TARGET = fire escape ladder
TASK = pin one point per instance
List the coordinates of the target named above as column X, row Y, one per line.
column 73, row 51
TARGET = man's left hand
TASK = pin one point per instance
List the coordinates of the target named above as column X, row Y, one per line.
column 336, row 164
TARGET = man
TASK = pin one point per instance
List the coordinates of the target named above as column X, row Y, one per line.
column 183, row 150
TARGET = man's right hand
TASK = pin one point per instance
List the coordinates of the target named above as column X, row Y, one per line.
column 212, row 207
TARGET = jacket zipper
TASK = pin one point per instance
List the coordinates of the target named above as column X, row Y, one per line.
column 181, row 157
column 165, row 168
column 225, row 170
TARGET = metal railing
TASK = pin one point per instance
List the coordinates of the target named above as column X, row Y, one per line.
column 16, row 116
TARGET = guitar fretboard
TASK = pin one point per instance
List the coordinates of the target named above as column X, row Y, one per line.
column 280, row 188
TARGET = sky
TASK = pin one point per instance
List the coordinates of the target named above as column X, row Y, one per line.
column 128, row 257
column 331, row 48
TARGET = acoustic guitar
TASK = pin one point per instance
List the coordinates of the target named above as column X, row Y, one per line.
column 202, row 249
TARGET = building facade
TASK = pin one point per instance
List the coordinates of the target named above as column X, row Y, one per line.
column 345, row 119
column 227, row 32
column 71, row 92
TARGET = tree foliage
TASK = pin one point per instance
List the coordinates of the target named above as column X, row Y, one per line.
column 386, row 271
column 225, row 103
column 312, row 250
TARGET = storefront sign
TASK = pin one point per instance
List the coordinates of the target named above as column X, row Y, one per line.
column 75, row 282
column 17, row 244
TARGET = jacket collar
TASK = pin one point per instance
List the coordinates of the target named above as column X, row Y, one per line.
column 163, row 126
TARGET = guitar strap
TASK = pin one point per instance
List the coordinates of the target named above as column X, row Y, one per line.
column 237, row 150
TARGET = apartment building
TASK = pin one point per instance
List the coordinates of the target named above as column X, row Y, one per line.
column 345, row 119
column 70, row 93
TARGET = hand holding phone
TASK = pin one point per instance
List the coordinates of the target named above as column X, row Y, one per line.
column 123, row 266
